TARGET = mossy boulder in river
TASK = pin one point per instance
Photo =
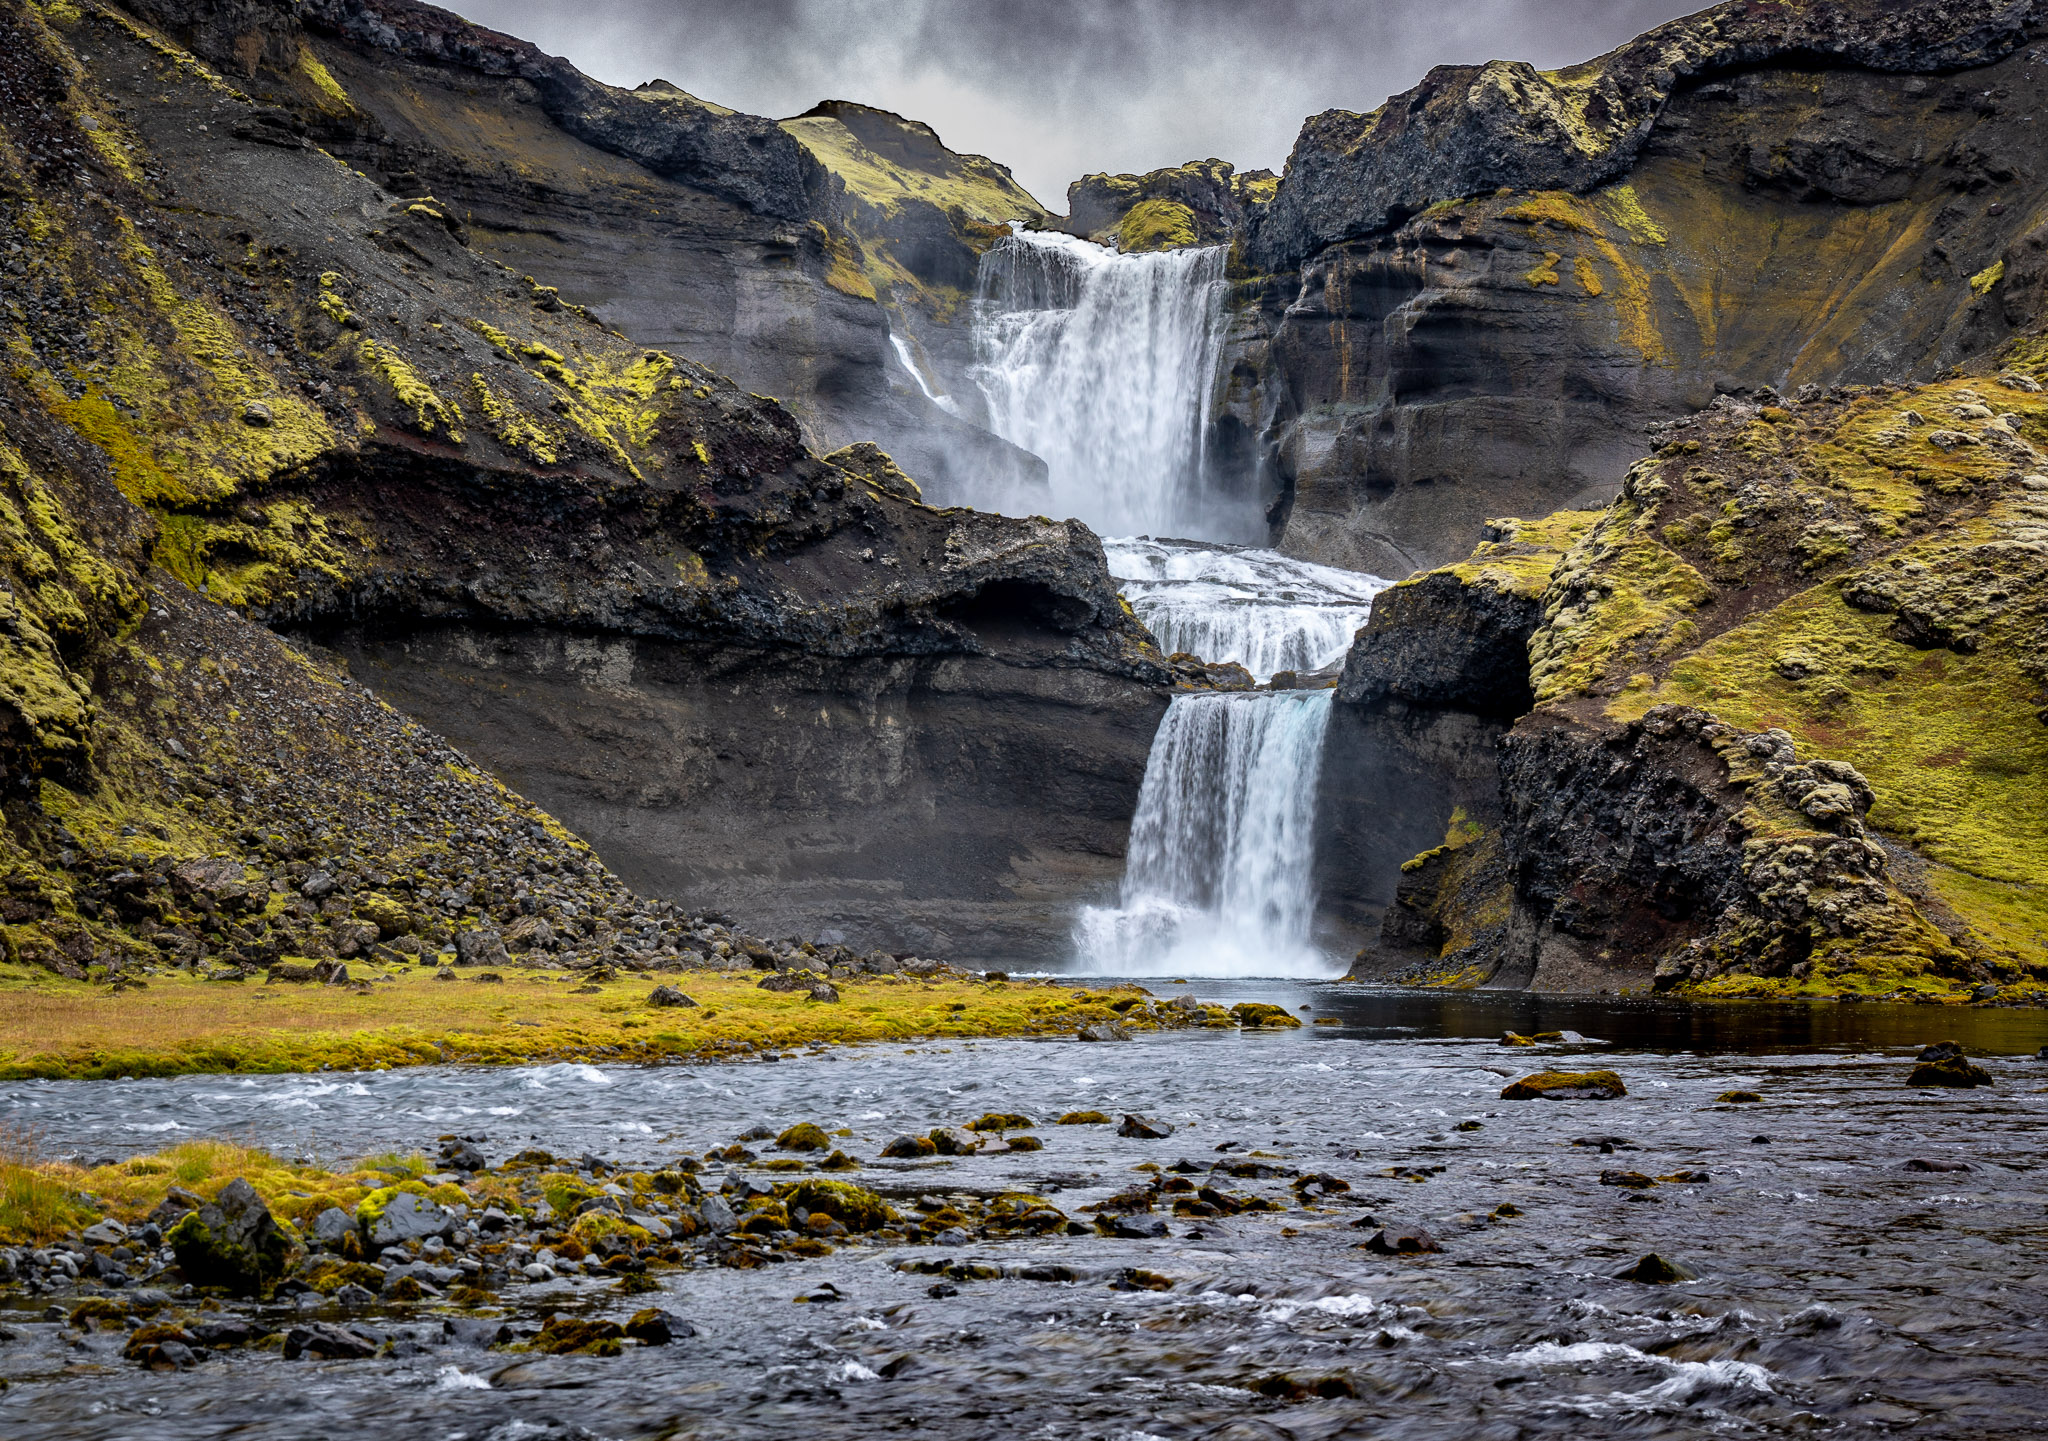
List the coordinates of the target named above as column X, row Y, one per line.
column 232, row 1242
column 854, row 1207
column 1956, row 1072
column 1565, row 1086
column 1255, row 1015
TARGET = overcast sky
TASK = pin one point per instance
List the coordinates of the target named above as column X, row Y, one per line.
column 1057, row 88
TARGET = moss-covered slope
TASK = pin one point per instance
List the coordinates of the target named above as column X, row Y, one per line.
column 240, row 382
column 1791, row 731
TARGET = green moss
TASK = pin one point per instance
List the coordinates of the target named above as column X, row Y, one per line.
column 1983, row 281
column 429, row 414
column 1619, row 597
column 1156, row 225
column 804, row 1136
column 853, row 1207
column 1565, row 1085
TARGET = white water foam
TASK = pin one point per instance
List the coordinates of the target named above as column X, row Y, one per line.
column 1217, row 881
column 1685, row 1382
column 1104, row 366
column 1266, row 611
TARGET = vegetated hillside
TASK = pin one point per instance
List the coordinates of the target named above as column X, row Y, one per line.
column 244, row 383
column 1790, row 730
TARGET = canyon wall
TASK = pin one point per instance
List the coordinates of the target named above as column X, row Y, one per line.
column 266, row 390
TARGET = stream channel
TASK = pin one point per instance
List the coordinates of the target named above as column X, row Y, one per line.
column 1840, row 1288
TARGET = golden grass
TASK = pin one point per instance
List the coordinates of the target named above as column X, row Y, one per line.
column 55, row 1029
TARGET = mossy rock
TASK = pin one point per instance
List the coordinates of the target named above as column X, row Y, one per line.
column 1955, row 1072
column 1257, row 1015
column 1083, row 1118
column 804, row 1136
column 1565, row 1086
column 909, row 1148
column 1738, row 1098
column 854, row 1207
column 232, row 1242
column 565, row 1192
column 594, row 1227
column 390, row 918
column 1001, row 1121
column 571, row 1336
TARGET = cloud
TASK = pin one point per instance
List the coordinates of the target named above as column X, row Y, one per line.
column 1057, row 88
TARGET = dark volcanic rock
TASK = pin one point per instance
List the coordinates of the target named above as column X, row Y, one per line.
column 1471, row 130
column 231, row 1241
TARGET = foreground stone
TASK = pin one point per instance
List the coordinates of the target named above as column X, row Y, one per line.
column 1565, row 1086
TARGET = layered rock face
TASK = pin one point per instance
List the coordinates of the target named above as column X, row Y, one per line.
column 722, row 236
column 1470, row 301
column 252, row 385
column 1789, row 731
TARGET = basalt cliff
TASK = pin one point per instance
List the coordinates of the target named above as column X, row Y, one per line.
column 391, row 478
column 275, row 433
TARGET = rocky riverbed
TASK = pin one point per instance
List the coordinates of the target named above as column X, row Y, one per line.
column 1099, row 1240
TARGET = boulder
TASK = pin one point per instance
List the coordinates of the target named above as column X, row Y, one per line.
column 909, row 1148
column 1953, row 1071
column 1414, row 1241
column 1656, row 1270
column 666, row 996
column 955, row 1141
column 326, row 1342
column 1257, row 1015
column 803, row 1136
column 1102, row 1031
column 1144, row 1128
column 483, row 946
column 331, row 1225
column 1565, row 1086
column 231, row 1241
column 389, row 1217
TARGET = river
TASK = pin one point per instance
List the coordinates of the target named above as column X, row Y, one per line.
column 1837, row 1288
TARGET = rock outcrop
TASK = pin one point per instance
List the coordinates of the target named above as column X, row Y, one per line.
column 1204, row 202
column 1789, row 720
column 1470, row 302
column 255, row 386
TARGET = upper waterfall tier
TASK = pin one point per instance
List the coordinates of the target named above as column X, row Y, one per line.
column 1103, row 365
column 1266, row 611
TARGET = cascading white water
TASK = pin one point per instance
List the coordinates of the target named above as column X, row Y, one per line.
column 1103, row 366
column 1218, row 880
column 909, row 361
column 1266, row 611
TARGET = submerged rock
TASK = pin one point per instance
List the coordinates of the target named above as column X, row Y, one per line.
column 1656, row 1270
column 1144, row 1128
column 1414, row 1241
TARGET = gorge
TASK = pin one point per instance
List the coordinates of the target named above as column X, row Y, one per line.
column 668, row 772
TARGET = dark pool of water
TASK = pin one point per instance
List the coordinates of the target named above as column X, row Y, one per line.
column 1839, row 1292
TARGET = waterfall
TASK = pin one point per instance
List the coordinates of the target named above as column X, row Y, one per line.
column 1218, row 881
column 903, row 354
column 1266, row 611
column 1103, row 365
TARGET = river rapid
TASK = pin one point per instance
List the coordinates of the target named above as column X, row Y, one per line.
column 1839, row 1290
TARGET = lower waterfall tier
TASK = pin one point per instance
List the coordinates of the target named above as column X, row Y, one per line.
column 1218, row 881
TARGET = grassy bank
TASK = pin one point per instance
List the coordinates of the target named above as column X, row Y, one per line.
column 56, row 1029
